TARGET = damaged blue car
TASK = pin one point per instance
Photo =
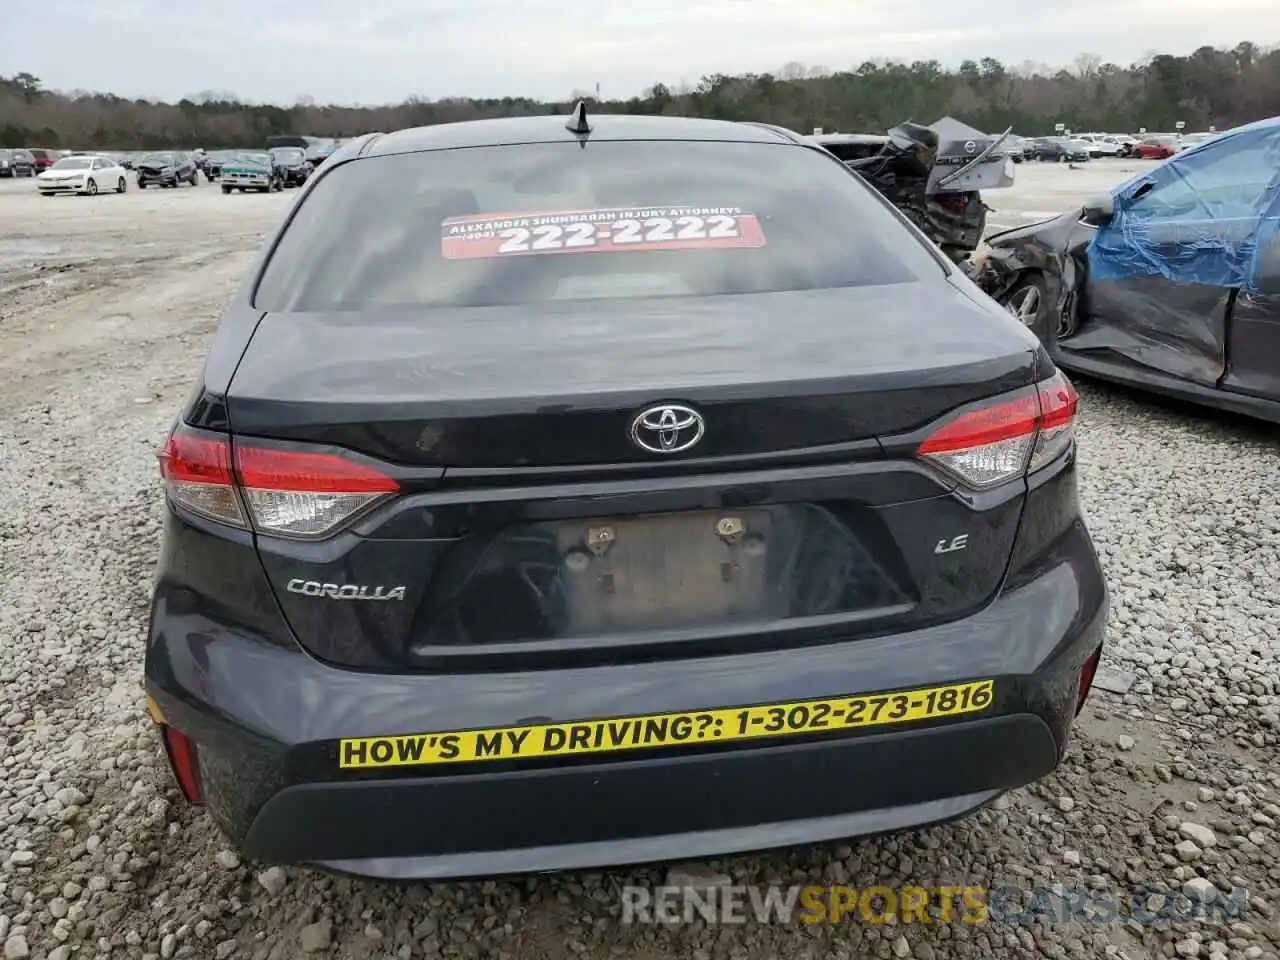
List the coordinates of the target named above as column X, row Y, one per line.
column 1170, row 283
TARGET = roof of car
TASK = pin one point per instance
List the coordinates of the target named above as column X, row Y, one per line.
column 552, row 129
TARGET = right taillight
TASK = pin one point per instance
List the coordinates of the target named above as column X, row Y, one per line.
column 286, row 492
column 1058, row 402
column 1008, row 437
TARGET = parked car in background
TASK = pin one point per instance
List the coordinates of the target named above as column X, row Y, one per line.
column 167, row 169
column 319, row 153
column 85, row 173
column 16, row 163
column 1125, row 142
column 1114, row 290
column 1015, row 148
column 251, row 170
column 1080, row 150
column 1194, row 139
column 1156, row 148
column 1060, row 149
column 1099, row 145
column 292, row 163
column 43, row 159
column 213, row 163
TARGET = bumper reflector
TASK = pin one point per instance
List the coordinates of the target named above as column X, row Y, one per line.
column 1086, row 678
column 184, row 760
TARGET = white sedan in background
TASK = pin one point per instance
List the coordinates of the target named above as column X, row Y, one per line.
column 82, row 173
column 1101, row 145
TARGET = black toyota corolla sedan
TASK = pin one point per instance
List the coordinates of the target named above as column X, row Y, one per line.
column 566, row 494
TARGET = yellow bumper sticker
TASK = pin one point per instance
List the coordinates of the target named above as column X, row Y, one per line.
column 617, row 734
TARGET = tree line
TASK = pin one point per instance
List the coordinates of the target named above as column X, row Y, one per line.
column 1211, row 87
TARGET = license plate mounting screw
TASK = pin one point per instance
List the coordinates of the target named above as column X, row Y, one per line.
column 600, row 539
column 730, row 528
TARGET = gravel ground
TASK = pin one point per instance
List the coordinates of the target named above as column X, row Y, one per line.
column 106, row 306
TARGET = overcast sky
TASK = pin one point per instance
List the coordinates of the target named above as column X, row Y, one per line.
column 339, row 51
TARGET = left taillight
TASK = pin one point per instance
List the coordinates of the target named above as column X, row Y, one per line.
column 286, row 492
column 1008, row 437
column 197, row 474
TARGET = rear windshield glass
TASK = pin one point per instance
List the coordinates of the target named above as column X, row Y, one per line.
column 541, row 222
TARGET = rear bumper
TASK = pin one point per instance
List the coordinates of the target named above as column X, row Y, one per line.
column 266, row 718
column 597, row 815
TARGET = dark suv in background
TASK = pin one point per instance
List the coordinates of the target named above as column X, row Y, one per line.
column 17, row 163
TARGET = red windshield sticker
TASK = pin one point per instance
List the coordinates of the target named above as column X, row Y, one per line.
column 486, row 236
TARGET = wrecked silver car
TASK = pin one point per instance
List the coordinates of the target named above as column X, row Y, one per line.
column 934, row 175
column 1171, row 283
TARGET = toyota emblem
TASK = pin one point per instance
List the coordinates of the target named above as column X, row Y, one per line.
column 970, row 146
column 667, row 428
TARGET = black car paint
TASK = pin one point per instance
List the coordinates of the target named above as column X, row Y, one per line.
column 1214, row 346
column 225, row 664
column 1050, row 148
column 219, row 650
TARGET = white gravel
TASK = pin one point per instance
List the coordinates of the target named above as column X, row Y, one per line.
column 106, row 306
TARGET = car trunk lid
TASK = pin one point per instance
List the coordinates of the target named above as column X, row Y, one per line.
column 532, row 530
column 557, row 385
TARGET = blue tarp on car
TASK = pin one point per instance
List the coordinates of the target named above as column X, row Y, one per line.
column 1210, row 215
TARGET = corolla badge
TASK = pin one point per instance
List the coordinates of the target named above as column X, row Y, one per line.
column 667, row 428
column 344, row 591
column 970, row 146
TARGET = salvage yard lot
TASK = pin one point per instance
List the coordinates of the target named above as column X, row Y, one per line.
column 106, row 307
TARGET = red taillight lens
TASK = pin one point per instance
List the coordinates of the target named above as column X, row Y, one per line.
column 196, row 468
column 1006, row 438
column 294, row 493
column 1058, row 403
column 184, row 760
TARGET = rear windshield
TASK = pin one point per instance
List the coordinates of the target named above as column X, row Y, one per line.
column 540, row 222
